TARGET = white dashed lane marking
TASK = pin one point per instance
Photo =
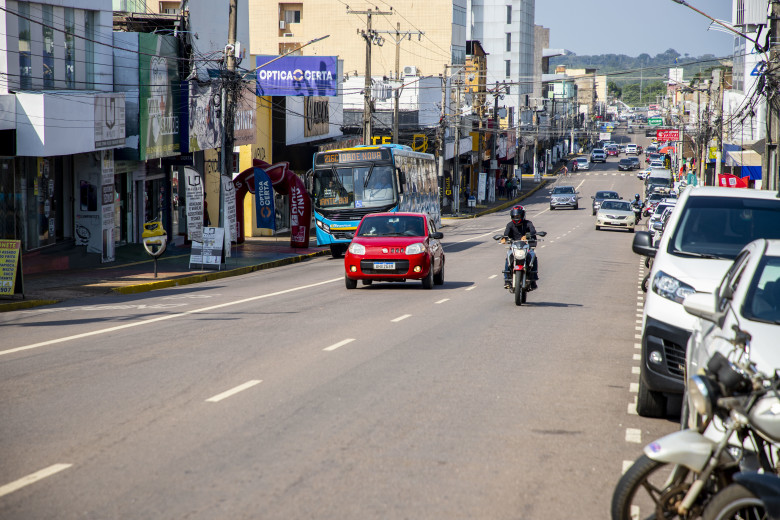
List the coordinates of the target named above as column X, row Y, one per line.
column 400, row 318
column 339, row 344
column 233, row 391
column 32, row 478
column 443, row 300
column 634, row 435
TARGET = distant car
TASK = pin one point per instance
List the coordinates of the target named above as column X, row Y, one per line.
column 582, row 163
column 635, row 162
column 395, row 247
column 616, row 213
column 631, row 149
column 598, row 155
column 642, row 174
column 656, row 163
column 564, row 197
column 659, row 211
column 613, row 150
column 625, row 164
column 601, row 196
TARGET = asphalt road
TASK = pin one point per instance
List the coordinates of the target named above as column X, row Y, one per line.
column 282, row 395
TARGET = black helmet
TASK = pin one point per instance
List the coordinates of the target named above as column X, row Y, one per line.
column 517, row 214
column 636, row 196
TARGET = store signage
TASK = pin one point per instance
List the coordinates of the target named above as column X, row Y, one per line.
column 109, row 120
column 209, row 252
column 655, row 121
column 316, row 120
column 667, row 135
column 194, row 193
column 296, row 76
column 264, row 200
column 229, row 203
column 10, row 267
column 158, row 96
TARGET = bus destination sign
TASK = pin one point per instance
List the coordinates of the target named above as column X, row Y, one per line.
column 352, row 156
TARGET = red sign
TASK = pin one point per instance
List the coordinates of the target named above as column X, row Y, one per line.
column 667, row 135
column 731, row 181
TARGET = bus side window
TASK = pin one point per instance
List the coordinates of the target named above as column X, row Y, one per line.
column 401, row 180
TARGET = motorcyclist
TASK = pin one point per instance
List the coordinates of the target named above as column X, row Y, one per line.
column 636, row 205
column 520, row 228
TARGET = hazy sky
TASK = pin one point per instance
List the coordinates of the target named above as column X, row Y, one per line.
column 632, row 27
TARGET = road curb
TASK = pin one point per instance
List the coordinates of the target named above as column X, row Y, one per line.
column 25, row 304
column 206, row 277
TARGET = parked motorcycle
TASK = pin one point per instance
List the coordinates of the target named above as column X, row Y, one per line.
column 753, row 496
column 520, row 259
column 679, row 474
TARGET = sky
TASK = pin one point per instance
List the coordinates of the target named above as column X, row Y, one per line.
column 632, row 27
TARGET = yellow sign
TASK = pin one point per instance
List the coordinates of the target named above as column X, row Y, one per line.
column 9, row 265
column 713, row 152
column 381, row 139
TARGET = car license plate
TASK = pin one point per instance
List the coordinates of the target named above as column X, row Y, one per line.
column 384, row 265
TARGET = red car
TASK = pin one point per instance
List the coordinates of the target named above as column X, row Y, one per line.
column 395, row 247
column 612, row 150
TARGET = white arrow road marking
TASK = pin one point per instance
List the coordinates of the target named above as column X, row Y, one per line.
column 233, row 391
column 32, row 478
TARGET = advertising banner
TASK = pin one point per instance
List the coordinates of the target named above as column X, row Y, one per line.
column 204, row 125
column 158, row 96
column 229, row 203
column 10, row 267
column 264, row 200
column 605, row 136
column 481, row 186
column 194, row 193
column 726, row 180
column 208, row 253
column 244, row 122
column 107, row 206
column 300, row 213
column 109, row 120
column 667, row 135
column 297, row 76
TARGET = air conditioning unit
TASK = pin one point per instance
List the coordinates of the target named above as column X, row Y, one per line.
column 281, row 25
column 410, row 71
column 288, row 35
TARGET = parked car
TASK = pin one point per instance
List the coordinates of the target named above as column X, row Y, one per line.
column 616, row 213
column 582, row 163
column 703, row 236
column 601, row 196
column 658, row 211
column 564, row 197
column 748, row 296
column 598, row 155
column 642, row 174
column 395, row 247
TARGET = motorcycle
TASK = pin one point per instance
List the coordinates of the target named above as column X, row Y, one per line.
column 680, row 474
column 752, row 496
column 520, row 259
column 637, row 207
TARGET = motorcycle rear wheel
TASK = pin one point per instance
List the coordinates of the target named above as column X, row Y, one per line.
column 735, row 502
column 648, row 489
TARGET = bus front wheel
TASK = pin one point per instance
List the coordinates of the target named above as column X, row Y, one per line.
column 336, row 250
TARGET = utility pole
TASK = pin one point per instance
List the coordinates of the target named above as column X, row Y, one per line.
column 371, row 37
column 456, row 155
column 228, row 107
column 399, row 37
column 770, row 162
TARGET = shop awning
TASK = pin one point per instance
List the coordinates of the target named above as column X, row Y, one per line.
column 748, row 160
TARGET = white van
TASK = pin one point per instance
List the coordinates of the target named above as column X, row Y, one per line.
column 704, row 234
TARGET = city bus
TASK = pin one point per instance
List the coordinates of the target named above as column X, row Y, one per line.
column 347, row 184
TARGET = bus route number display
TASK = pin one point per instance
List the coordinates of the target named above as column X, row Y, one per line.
column 352, row 156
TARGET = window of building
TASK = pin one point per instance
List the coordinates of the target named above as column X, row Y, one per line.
column 48, row 46
column 70, row 48
column 169, row 7
column 508, row 42
column 292, row 16
column 25, row 59
column 459, row 15
column 458, row 54
column 89, row 48
column 508, row 14
column 508, row 67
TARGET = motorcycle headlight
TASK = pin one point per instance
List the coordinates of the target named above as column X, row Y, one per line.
column 357, row 249
column 701, row 394
column 519, row 254
column 415, row 249
column 671, row 288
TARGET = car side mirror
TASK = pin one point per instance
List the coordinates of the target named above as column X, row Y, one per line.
column 658, row 226
column 438, row 235
column 593, row 197
column 701, row 305
column 643, row 244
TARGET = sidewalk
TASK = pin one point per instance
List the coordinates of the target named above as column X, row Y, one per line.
column 73, row 274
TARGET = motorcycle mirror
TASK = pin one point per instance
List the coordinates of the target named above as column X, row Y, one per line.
column 498, row 237
column 541, row 233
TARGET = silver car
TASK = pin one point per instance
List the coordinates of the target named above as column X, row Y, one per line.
column 616, row 213
column 564, row 197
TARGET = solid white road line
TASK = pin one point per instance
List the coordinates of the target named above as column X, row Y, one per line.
column 163, row 318
column 443, row 300
column 634, row 435
column 399, row 318
column 240, row 388
column 33, row 478
column 339, row 344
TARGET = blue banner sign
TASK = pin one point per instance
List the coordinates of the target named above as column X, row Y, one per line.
column 296, row 76
column 264, row 200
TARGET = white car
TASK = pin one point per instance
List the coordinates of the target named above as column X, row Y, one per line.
column 749, row 297
column 703, row 236
column 631, row 149
column 642, row 174
column 656, row 163
column 582, row 163
column 616, row 213
column 658, row 212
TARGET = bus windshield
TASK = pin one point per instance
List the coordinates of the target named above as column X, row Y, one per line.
column 359, row 186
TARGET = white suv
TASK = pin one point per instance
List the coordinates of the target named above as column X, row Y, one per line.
column 704, row 234
column 631, row 149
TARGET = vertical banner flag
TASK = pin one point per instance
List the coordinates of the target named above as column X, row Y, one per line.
column 264, row 200
column 229, row 203
column 194, row 205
